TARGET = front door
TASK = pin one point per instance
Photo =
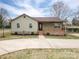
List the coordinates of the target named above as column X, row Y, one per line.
column 40, row 28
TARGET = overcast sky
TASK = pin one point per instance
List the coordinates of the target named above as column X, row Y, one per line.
column 34, row 8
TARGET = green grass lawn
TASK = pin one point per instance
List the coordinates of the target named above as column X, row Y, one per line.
column 62, row 37
column 8, row 36
column 43, row 54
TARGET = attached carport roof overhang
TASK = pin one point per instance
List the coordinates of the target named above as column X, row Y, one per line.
column 72, row 27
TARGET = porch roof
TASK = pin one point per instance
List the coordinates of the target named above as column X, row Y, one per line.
column 48, row 19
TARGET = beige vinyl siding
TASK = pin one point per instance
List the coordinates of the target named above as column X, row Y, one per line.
column 24, row 25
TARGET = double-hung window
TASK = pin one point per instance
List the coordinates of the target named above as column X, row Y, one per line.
column 18, row 25
column 56, row 25
column 30, row 25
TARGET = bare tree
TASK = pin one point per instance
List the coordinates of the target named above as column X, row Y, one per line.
column 76, row 12
column 3, row 15
column 61, row 10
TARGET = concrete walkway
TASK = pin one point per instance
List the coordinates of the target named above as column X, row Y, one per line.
column 8, row 46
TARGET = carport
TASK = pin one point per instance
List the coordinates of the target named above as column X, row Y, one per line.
column 72, row 29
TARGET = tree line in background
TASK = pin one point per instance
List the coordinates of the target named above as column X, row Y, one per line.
column 4, row 23
column 4, row 18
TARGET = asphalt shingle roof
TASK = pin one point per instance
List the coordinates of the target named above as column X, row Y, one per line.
column 47, row 19
column 42, row 19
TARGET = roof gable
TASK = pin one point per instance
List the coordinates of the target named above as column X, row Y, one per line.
column 23, row 15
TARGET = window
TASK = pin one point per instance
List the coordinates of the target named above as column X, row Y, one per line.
column 18, row 25
column 30, row 25
column 56, row 25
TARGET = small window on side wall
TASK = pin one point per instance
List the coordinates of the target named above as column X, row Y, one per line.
column 56, row 26
column 30, row 25
column 18, row 25
column 24, row 16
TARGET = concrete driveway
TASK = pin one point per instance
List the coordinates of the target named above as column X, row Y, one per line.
column 8, row 46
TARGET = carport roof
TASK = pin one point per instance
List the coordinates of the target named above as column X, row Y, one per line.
column 72, row 27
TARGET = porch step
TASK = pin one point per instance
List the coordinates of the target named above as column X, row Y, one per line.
column 40, row 32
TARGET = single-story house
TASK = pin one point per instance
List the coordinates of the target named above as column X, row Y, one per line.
column 25, row 24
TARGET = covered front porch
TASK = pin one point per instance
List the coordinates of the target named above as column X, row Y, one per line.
column 50, row 28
